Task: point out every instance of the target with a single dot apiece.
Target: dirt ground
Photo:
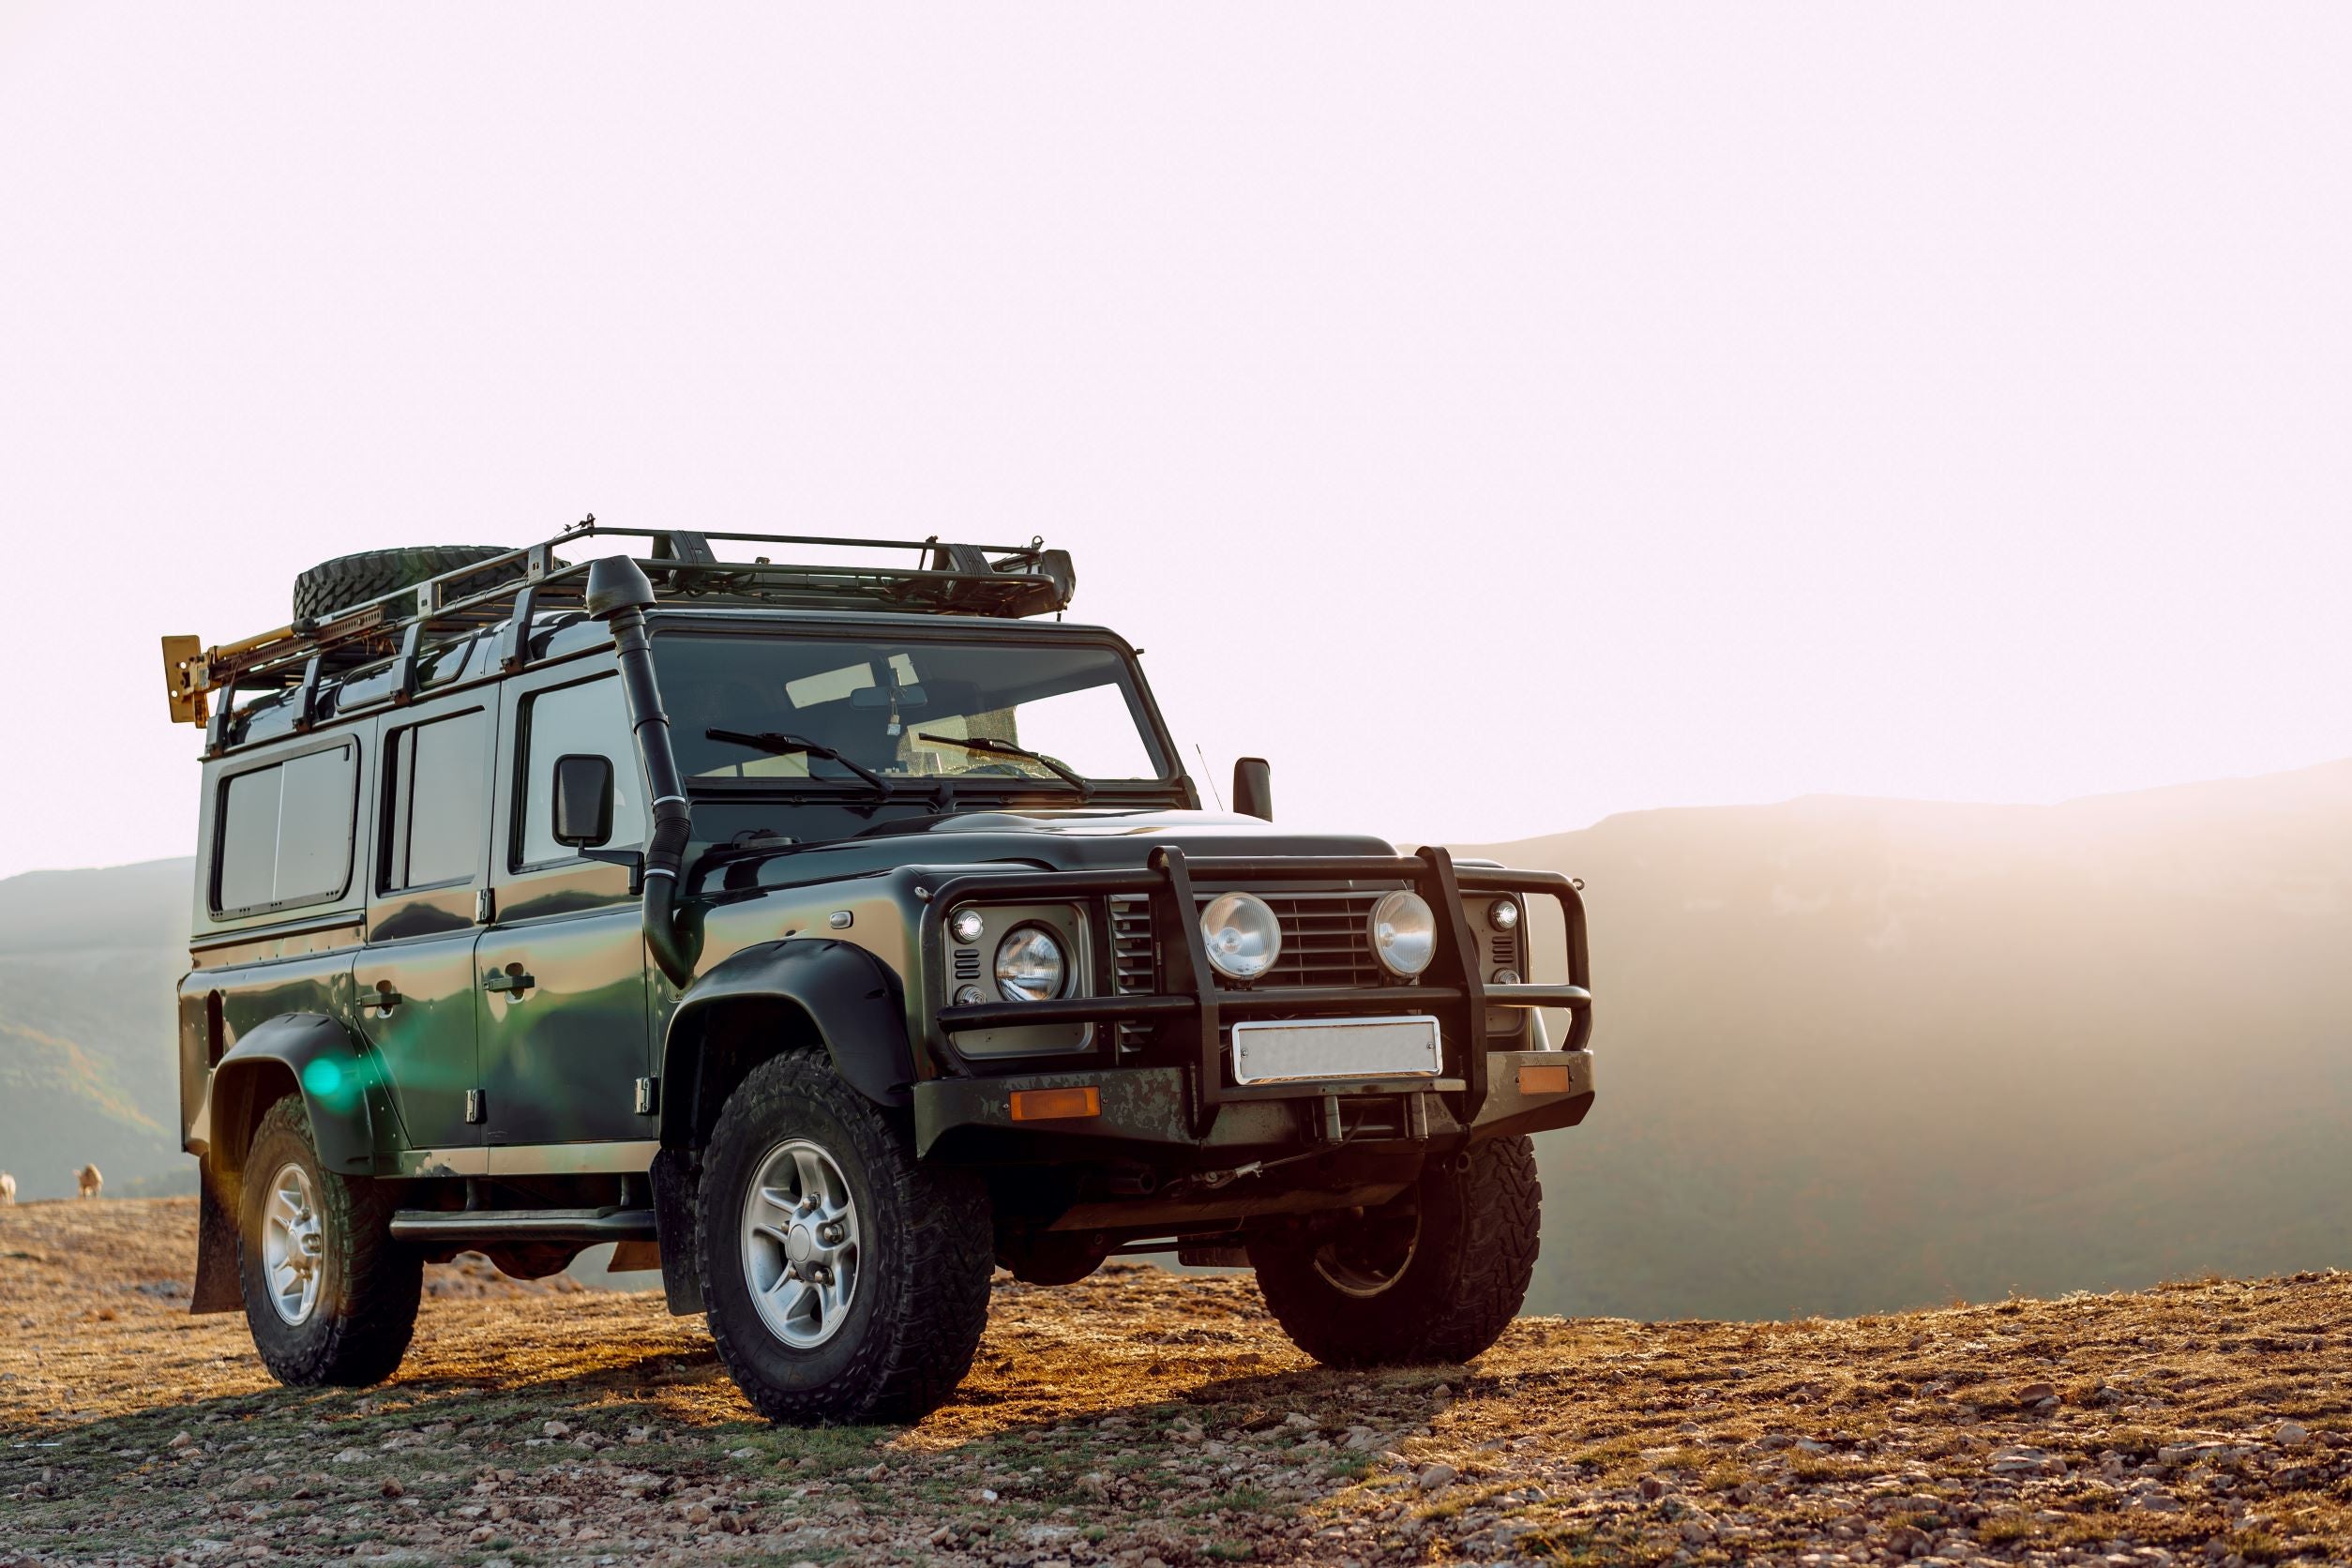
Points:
(1144, 1417)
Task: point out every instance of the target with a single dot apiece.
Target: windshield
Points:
(922, 708)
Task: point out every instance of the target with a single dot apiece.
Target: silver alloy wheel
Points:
(801, 1244)
(293, 1245)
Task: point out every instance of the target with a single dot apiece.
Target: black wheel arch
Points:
(352, 1123)
(812, 994)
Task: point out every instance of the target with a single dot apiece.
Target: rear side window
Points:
(436, 816)
(590, 718)
(284, 833)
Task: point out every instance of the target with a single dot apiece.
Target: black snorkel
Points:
(619, 595)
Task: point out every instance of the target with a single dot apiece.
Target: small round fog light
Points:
(970, 996)
(1503, 914)
(966, 926)
(1505, 977)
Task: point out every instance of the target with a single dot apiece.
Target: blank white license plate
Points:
(1270, 1052)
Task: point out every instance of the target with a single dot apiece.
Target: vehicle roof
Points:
(994, 626)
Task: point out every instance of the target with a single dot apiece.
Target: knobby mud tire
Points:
(350, 580)
(922, 1297)
(1467, 1276)
(370, 1284)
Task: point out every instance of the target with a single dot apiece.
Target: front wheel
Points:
(844, 1281)
(330, 1296)
(1435, 1276)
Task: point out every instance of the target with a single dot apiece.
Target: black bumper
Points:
(1144, 1108)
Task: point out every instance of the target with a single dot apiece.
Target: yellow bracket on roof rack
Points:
(183, 680)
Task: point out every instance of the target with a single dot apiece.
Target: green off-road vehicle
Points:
(826, 935)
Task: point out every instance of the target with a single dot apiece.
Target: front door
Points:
(415, 980)
(560, 975)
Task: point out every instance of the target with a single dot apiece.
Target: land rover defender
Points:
(827, 929)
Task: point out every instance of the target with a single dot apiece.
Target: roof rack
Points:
(503, 593)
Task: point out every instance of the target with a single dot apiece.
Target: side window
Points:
(436, 802)
(284, 833)
(590, 719)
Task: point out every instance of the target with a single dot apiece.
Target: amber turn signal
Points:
(1547, 1079)
(1056, 1105)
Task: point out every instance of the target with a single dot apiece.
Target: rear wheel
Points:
(1435, 1276)
(844, 1280)
(330, 1296)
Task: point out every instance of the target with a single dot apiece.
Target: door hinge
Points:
(472, 1107)
(485, 906)
(648, 1095)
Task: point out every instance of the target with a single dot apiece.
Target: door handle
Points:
(385, 998)
(511, 979)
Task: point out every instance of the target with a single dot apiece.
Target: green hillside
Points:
(1861, 1054)
(88, 962)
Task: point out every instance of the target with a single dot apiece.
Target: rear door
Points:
(561, 974)
(414, 982)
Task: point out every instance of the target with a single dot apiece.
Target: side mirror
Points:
(1253, 788)
(583, 800)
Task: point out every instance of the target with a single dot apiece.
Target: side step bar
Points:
(524, 1225)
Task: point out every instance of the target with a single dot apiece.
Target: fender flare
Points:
(854, 1000)
(351, 1120)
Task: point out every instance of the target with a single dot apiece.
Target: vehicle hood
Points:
(1069, 839)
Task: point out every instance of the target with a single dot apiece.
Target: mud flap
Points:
(218, 1287)
(675, 1175)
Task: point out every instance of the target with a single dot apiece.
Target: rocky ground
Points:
(1142, 1417)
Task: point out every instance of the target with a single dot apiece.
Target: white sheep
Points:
(8, 1189)
(91, 1181)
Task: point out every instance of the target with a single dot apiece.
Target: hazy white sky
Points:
(1499, 416)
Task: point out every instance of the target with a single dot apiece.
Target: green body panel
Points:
(427, 1038)
(561, 1059)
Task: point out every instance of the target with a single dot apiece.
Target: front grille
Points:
(1325, 940)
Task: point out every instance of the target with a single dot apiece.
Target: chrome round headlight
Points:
(1243, 937)
(1029, 965)
(1503, 914)
(1404, 934)
(966, 926)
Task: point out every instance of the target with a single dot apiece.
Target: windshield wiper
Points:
(1006, 749)
(776, 744)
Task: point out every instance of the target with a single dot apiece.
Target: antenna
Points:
(1209, 774)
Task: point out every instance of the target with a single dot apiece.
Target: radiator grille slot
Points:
(1131, 960)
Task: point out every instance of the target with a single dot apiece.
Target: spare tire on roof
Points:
(350, 580)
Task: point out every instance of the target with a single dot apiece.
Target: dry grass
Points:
(1142, 1415)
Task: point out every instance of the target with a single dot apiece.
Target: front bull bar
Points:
(1452, 987)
